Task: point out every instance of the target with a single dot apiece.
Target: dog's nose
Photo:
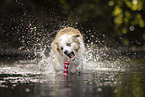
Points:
(65, 52)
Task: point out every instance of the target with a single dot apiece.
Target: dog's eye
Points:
(68, 44)
(61, 48)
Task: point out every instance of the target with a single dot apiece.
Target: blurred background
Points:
(28, 24)
(114, 35)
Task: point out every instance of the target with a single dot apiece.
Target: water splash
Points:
(93, 61)
(98, 59)
(98, 55)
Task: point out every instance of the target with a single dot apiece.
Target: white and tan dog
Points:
(68, 45)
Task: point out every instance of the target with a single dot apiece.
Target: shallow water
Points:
(107, 78)
(27, 30)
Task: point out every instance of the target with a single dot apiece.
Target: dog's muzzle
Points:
(71, 55)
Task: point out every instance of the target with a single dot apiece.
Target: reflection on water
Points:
(29, 80)
(106, 73)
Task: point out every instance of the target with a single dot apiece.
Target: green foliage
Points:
(122, 20)
(126, 16)
(128, 12)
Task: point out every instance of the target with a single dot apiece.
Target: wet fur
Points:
(75, 38)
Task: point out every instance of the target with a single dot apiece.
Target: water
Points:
(26, 62)
(107, 73)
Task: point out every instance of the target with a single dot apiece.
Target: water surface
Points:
(113, 78)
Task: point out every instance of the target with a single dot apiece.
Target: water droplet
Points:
(27, 90)
(99, 89)
(131, 28)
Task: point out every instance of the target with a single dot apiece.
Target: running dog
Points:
(68, 45)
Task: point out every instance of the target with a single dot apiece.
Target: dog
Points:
(69, 45)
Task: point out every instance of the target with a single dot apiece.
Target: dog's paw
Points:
(78, 72)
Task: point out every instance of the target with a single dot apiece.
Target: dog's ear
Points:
(54, 45)
(76, 35)
(76, 38)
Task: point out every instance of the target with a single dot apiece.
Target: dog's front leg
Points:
(60, 62)
(80, 67)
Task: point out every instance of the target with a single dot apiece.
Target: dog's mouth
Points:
(71, 55)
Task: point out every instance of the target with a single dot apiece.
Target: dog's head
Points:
(68, 45)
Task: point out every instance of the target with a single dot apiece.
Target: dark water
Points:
(29, 26)
(27, 79)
